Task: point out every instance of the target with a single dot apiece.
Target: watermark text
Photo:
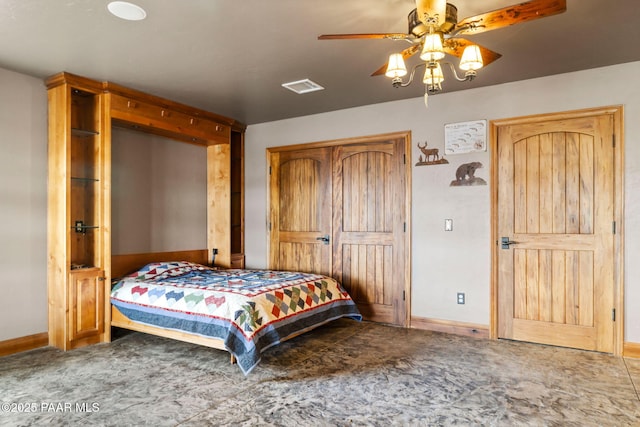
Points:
(54, 407)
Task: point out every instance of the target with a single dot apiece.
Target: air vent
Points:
(303, 86)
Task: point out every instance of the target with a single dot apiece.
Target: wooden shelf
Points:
(77, 178)
(83, 133)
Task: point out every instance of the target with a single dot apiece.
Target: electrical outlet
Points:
(460, 297)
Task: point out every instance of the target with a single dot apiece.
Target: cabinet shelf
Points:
(79, 267)
(77, 178)
(84, 133)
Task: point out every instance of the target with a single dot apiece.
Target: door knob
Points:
(506, 243)
(324, 239)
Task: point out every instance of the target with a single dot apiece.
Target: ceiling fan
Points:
(434, 31)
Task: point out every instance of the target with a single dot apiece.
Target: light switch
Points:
(448, 225)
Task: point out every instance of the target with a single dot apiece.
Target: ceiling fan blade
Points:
(510, 15)
(407, 53)
(393, 36)
(455, 46)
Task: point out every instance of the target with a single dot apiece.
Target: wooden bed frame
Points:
(122, 265)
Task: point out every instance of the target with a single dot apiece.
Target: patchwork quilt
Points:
(250, 310)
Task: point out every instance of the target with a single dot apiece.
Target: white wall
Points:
(436, 275)
(23, 205)
(437, 256)
(158, 194)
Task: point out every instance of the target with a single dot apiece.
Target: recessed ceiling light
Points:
(303, 86)
(126, 10)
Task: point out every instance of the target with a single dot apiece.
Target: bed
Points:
(244, 312)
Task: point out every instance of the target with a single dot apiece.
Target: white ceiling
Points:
(231, 56)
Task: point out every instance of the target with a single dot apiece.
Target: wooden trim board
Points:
(450, 327)
(121, 321)
(631, 349)
(18, 345)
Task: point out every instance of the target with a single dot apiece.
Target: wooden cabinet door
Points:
(556, 203)
(86, 306)
(300, 219)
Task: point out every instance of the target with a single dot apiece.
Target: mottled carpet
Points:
(343, 374)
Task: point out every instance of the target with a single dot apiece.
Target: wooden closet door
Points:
(341, 209)
(300, 210)
(556, 204)
(369, 199)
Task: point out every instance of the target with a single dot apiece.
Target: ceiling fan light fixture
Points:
(433, 20)
(396, 67)
(432, 49)
(471, 58)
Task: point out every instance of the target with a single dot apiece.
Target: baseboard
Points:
(17, 345)
(450, 327)
(631, 349)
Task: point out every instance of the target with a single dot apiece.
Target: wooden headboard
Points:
(121, 265)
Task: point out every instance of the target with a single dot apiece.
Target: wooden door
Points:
(555, 202)
(341, 209)
(369, 201)
(300, 210)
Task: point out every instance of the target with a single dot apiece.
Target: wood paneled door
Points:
(341, 208)
(300, 212)
(556, 209)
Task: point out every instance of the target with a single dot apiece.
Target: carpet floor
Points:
(345, 373)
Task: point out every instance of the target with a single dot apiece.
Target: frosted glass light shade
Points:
(433, 76)
(471, 58)
(432, 49)
(396, 67)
